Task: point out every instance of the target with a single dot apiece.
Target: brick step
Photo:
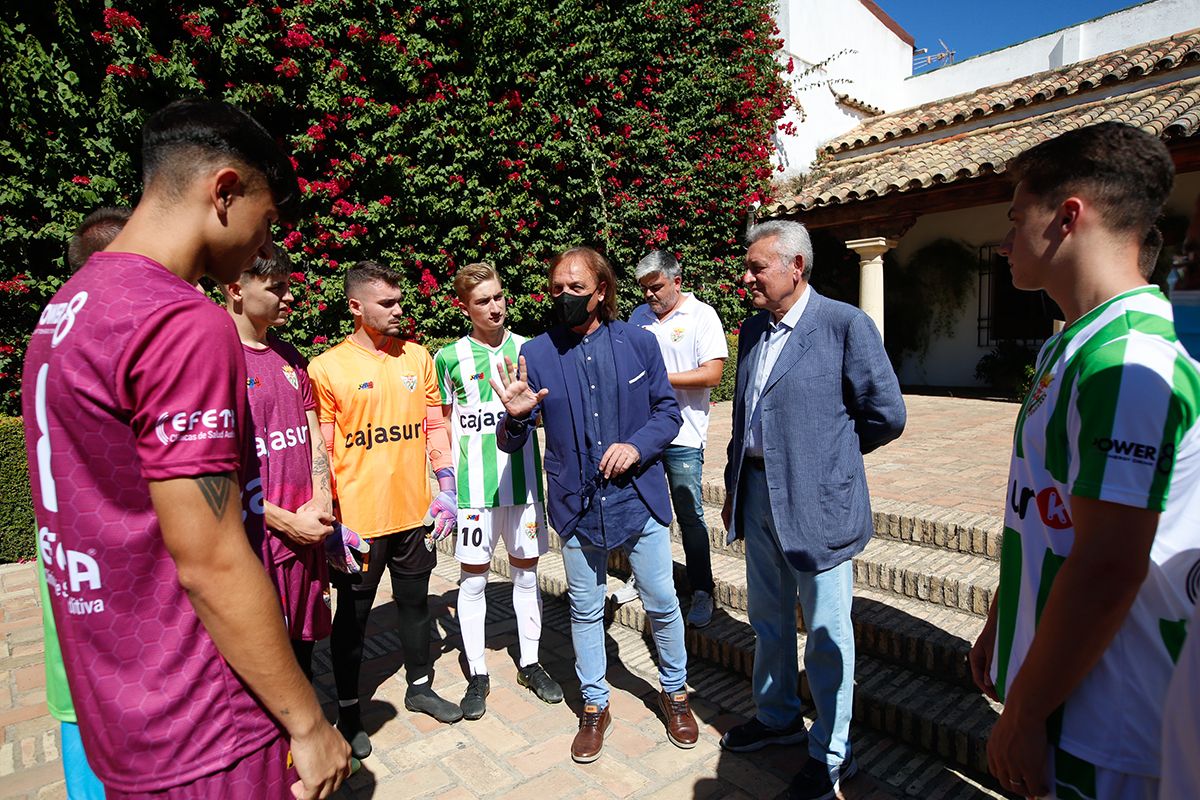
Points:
(899, 768)
(937, 577)
(894, 627)
(918, 523)
(936, 715)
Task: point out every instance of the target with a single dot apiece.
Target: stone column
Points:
(870, 285)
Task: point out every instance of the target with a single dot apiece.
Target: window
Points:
(1007, 313)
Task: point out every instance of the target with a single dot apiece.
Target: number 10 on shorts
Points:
(522, 527)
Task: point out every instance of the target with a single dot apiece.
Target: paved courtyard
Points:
(953, 454)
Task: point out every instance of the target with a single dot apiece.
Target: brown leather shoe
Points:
(594, 725)
(682, 729)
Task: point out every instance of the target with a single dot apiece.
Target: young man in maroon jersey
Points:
(135, 409)
(295, 493)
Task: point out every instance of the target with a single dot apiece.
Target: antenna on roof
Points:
(923, 59)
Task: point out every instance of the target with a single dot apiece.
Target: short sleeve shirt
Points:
(690, 336)
(487, 476)
(377, 403)
(132, 376)
(281, 396)
(1111, 416)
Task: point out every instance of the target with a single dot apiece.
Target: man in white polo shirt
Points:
(694, 348)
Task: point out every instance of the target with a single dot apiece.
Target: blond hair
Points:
(470, 276)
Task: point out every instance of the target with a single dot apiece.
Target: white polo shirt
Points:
(688, 337)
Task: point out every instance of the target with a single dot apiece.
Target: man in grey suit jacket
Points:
(815, 391)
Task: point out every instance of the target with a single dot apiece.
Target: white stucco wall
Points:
(814, 30)
(951, 360)
(1141, 23)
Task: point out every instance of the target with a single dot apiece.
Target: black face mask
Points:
(571, 309)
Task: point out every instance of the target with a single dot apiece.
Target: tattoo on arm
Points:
(320, 471)
(215, 489)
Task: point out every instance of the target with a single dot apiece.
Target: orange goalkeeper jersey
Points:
(377, 402)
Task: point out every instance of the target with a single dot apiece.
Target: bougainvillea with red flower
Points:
(426, 137)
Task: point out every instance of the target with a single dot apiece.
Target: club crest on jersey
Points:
(531, 530)
(1039, 393)
(409, 381)
(367, 385)
(289, 372)
(677, 334)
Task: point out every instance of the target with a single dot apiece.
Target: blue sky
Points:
(971, 28)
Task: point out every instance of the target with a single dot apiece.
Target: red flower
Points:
(158, 59)
(292, 239)
(115, 20)
(191, 24)
(320, 339)
(297, 36)
(537, 297)
(102, 38)
(386, 200)
(16, 285)
(82, 180)
(288, 68)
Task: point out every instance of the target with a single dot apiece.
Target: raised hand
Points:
(513, 389)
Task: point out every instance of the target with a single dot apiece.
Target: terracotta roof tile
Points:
(1171, 110)
(1121, 65)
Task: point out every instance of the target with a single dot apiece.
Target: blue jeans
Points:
(82, 783)
(685, 467)
(587, 573)
(772, 587)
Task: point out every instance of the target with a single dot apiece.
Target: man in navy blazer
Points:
(814, 392)
(609, 412)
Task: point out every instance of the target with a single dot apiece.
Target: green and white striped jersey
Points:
(1112, 416)
(487, 477)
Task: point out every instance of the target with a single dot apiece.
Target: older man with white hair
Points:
(693, 346)
(815, 391)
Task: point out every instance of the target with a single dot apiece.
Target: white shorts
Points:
(523, 528)
(1072, 778)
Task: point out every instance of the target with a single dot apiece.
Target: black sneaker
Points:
(349, 724)
(474, 702)
(754, 735)
(424, 699)
(536, 678)
(817, 780)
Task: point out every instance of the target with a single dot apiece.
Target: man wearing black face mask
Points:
(609, 413)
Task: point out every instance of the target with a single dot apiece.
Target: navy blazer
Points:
(831, 397)
(647, 412)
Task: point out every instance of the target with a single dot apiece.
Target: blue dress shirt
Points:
(612, 510)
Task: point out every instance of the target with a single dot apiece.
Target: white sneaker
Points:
(701, 611)
(626, 593)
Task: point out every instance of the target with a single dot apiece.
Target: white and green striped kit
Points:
(1111, 416)
(487, 477)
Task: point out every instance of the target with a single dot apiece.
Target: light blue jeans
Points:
(772, 587)
(650, 558)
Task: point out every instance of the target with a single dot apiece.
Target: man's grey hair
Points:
(792, 240)
(658, 261)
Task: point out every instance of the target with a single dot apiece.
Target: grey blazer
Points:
(831, 397)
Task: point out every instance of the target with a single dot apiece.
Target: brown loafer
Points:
(594, 725)
(682, 729)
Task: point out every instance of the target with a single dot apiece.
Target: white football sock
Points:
(472, 610)
(527, 604)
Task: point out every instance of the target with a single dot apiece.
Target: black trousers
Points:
(404, 556)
